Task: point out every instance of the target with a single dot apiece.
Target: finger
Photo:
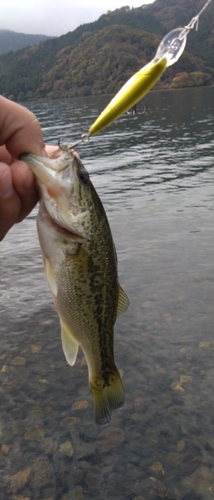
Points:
(25, 186)
(5, 156)
(10, 204)
(19, 129)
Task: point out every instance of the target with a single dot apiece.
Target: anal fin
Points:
(123, 301)
(69, 345)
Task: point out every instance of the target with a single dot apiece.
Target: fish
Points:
(80, 265)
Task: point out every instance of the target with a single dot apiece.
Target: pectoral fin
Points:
(50, 276)
(123, 301)
(69, 346)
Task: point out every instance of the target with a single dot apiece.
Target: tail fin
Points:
(109, 397)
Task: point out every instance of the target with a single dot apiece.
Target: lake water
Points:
(154, 174)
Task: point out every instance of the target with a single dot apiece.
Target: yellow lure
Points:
(133, 90)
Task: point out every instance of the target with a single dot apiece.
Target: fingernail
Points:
(6, 186)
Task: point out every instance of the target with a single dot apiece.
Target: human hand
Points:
(20, 132)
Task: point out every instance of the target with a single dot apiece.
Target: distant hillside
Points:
(10, 40)
(98, 57)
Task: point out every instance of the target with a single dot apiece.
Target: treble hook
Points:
(67, 146)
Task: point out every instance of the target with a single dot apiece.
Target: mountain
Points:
(10, 40)
(99, 57)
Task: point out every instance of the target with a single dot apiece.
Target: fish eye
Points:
(83, 176)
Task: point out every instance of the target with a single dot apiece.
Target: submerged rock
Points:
(80, 405)
(6, 448)
(49, 446)
(69, 422)
(34, 434)
(185, 379)
(67, 449)
(35, 348)
(181, 446)
(19, 480)
(19, 361)
(42, 473)
(176, 387)
(5, 369)
(202, 482)
(157, 469)
(110, 438)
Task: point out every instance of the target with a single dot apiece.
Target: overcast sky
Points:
(49, 17)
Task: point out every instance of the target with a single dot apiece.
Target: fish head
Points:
(65, 190)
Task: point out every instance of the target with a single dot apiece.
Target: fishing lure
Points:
(168, 53)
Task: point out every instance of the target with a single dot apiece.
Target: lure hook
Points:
(67, 146)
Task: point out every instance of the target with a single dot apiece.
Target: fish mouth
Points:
(56, 180)
(48, 167)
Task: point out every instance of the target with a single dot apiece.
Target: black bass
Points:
(80, 264)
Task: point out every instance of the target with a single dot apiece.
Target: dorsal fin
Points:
(123, 301)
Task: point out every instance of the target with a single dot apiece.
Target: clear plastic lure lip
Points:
(173, 44)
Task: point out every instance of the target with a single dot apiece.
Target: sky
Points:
(55, 18)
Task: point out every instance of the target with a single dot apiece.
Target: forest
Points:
(98, 58)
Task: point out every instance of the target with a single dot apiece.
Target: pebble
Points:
(49, 446)
(185, 379)
(34, 434)
(181, 446)
(157, 469)
(110, 438)
(42, 472)
(35, 348)
(43, 381)
(176, 387)
(80, 405)
(205, 345)
(19, 480)
(69, 422)
(3, 356)
(67, 449)
(49, 410)
(6, 448)
(19, 361)
(5, 369)
(160, 488)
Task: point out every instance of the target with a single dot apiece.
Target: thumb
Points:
(19, 129)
